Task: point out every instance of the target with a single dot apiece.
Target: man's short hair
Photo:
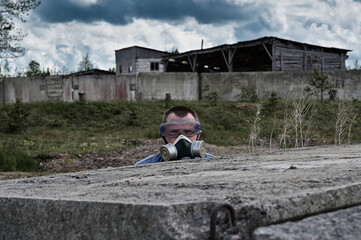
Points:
(179, 111)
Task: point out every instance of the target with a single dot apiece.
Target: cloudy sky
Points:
(61, 32)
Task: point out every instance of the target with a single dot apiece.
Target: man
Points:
(177, 122)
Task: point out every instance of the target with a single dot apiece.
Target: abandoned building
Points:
(133, 60)
(270, 54)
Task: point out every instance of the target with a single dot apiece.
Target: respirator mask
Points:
(182, 147)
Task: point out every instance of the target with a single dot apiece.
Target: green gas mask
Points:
(182, 148)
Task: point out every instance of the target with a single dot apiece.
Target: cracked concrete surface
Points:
(173, 200)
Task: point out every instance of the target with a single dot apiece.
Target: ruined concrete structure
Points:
(289, 194)
(264, 54)
(133, 60)
(266, 65)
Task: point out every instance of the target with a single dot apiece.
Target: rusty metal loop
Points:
(214, 217)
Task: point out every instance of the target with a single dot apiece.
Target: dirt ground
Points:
(63, 163)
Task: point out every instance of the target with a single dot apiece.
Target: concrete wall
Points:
(147, 86)
(179, 85)
(285, 84)
(25, 89)
(98, 87)
(51, 88)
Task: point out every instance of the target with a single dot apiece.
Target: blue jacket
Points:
(157, 158)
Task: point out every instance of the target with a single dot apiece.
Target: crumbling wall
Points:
(182, 86)
(228, 86)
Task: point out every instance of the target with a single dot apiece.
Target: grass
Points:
(46, 129)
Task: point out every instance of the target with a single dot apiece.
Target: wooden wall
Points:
(291, 57)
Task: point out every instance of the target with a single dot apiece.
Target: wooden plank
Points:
(269, 54)
(193, 61)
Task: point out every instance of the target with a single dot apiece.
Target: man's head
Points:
(180, 120)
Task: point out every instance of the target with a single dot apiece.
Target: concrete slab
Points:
(174, 200)
(342, 224)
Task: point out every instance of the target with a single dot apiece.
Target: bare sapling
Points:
(346, 114)
(273, 128)
(255, 128)
(350, 127)
(307, 126)
(301, 118)
(286, 123)
(301, 115)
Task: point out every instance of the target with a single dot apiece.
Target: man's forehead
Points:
(172, 117)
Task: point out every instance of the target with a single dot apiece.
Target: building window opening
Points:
(120, 69)
(154, 66)
(130, 68)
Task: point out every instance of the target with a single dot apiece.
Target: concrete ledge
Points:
(342, 224)
(174, 200)
(63, 219)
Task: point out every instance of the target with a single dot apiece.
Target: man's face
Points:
(173, 117)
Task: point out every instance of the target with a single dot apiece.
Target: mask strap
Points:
(199, 135)
(165, 140)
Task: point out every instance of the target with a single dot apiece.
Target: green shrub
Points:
(208, 95)
(248, 95)
(16, 116)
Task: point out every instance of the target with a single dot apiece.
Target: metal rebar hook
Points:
(214, 218)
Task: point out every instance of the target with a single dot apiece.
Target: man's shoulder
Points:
(150, 159)
(157, 158)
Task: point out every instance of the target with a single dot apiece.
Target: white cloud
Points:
(65, 44)
(336, 24)
(83, 3)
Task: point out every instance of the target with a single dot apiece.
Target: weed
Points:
(12, 159)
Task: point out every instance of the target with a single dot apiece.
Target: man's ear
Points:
(199, 135)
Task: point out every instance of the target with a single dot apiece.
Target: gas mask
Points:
(182, 148)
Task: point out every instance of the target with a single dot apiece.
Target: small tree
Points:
(16, 116)
(356, 65)
(4, 69)
(10, 35)
(271, 104)
(85, 64)
(33, 69)
(320, 82)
